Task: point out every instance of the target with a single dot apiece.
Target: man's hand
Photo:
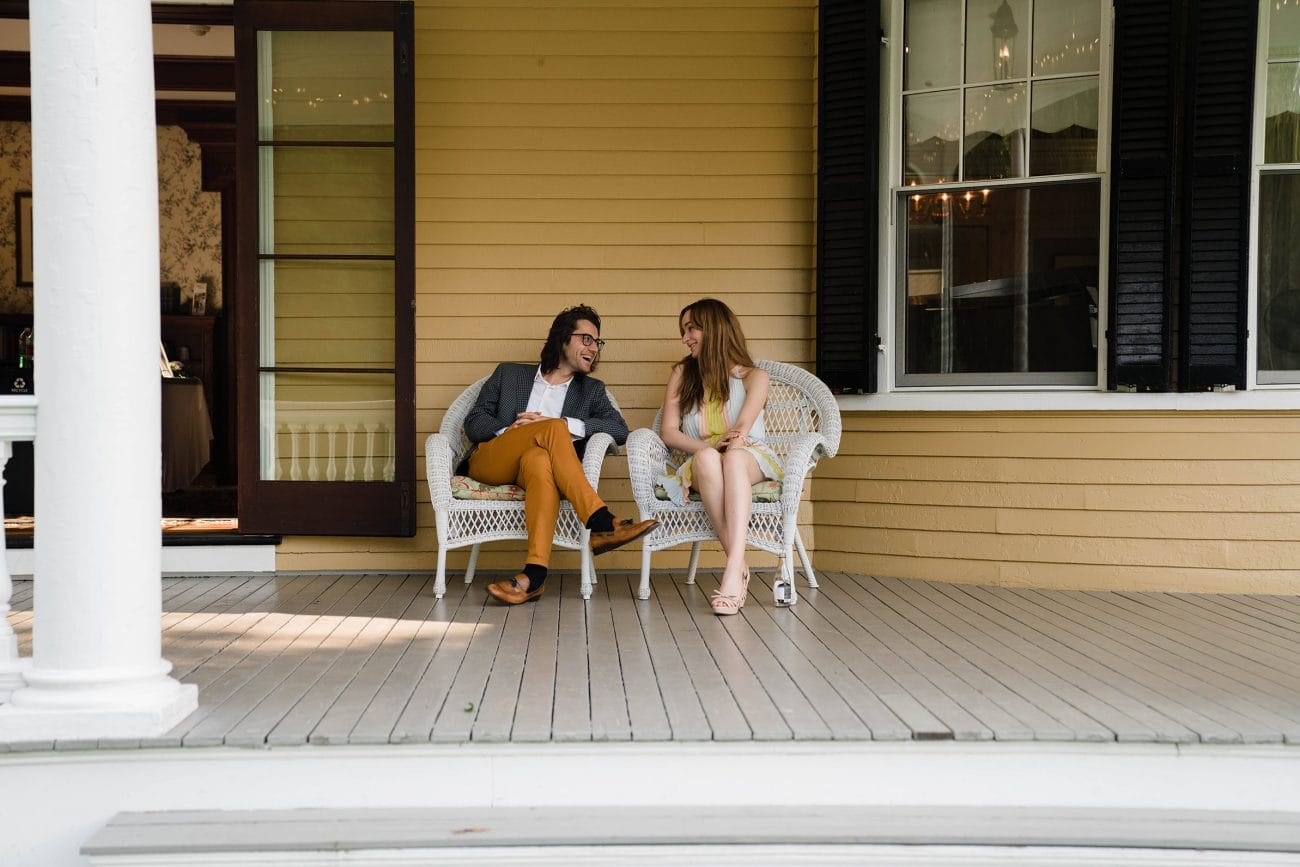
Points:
(524, 418)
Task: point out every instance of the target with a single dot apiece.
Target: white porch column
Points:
(97, 668)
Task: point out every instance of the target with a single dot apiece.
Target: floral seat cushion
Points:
(766, 491)
(465, 488)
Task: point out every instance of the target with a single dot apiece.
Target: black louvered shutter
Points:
(848, 121)
(1144, 164)
(1216, 219)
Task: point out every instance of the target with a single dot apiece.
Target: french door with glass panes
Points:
(325, 200)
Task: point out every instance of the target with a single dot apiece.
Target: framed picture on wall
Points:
(23, 237)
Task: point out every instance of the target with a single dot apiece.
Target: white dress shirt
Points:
(548, 400)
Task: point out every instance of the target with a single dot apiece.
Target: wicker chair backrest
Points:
(797, 402)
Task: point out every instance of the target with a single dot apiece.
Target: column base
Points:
(12, 670)
(67, 706)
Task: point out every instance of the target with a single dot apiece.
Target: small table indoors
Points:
(186, 432)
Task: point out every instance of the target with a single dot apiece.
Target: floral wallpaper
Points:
(15, 176)
(189, 219)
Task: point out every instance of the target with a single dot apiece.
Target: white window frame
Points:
(1258, 169)
(891, 243)
(893, 398)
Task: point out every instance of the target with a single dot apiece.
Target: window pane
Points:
(329, 314)
(995, 132)
(327, 427)
(1279, 273)
(932, 125)
(1282, 114)
(1284, 30)
(1064, 127)
(328, 200)
(932, 28)
(997, 43)
(1003, 281)
(326, 85)
(1067, 36)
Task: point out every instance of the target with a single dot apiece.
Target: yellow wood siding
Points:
(633, 158)
(1193, 501)
(637, 158)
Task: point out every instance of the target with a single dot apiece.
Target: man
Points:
(530, 424)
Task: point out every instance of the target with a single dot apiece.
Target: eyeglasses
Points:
(588, 340)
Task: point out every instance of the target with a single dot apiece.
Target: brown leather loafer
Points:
(624, 531)
(509, 591)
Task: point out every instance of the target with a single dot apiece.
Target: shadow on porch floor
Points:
(372, 659)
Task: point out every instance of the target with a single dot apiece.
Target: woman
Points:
(713, 413)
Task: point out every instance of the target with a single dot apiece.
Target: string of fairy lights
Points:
(299, 95)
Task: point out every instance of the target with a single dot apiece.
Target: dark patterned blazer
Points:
(506, 394)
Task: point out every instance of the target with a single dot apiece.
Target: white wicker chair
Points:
(802, 421)
(486, 518)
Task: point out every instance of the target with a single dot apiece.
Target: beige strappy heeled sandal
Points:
(725, 604)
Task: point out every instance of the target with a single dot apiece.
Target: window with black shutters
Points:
(998, 191)
(1277, 149)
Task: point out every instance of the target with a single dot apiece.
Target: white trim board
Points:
(177, 560)
(1069, 400)
(54, 801)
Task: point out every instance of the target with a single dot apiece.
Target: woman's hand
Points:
(731, 438)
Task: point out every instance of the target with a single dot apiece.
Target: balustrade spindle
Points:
(313, 470)
(369, 473)
(350, 473)
(390, 466)
(331, 468)
(295, 469)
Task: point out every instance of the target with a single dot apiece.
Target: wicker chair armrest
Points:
(593, 458)
(438, 468)
(646, 454)
(805, 451)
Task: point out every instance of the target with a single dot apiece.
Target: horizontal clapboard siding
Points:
(632, 158)
(1159, 501)
(638, 159)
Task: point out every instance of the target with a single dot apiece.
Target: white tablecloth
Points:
(186, 432)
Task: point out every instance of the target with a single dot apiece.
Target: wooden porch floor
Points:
(374, 659)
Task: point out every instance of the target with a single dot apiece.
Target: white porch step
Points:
(674, 835)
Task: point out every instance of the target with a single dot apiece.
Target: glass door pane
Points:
(326, 248)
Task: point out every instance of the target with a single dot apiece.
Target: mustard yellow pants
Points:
(540, 458)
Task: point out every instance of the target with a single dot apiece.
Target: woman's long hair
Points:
(722, 349)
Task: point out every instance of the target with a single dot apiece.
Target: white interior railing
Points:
(335, 441)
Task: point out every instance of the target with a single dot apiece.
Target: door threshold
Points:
(176, 532)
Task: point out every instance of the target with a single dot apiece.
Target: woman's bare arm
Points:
(670, 427)
(756, 383)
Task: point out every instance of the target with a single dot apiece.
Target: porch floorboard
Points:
(326, 659)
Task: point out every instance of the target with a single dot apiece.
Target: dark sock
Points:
(601, 521)
(536, 575)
